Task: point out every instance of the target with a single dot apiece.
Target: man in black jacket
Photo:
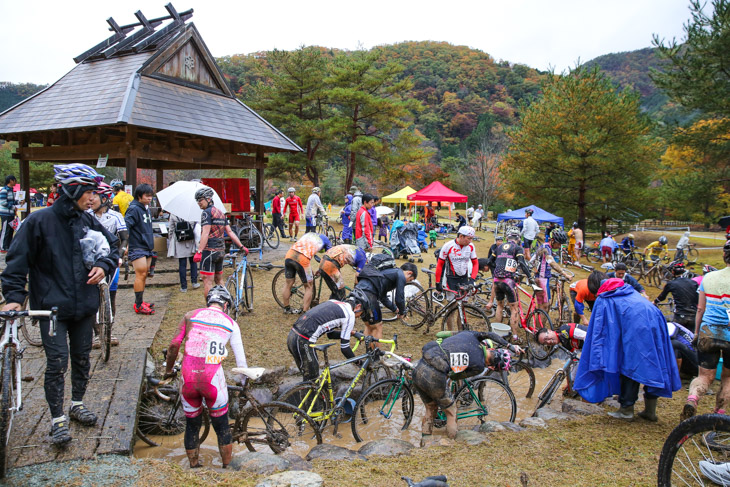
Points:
(377, 284)
(684, 291)
(141, 244)
(48, 248)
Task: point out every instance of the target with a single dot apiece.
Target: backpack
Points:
(382, 261)
(184, 231)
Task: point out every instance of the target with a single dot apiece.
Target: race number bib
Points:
(216, 352)
(510, 265)
(459, 362)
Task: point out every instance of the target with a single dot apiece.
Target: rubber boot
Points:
(626, 413)
(226, 453)
(193, 457)
(451, 428)
(649, 412)
(427, 422)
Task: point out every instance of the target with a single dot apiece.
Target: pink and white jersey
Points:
(211, 331)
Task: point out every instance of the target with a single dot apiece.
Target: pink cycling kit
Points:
(205, 348)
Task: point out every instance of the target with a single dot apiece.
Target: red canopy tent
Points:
(437, 192)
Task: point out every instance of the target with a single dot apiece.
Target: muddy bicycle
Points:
(565, 372)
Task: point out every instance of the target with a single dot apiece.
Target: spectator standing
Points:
(364, 223)
(121, 198)
(476, 220)
(293, 203)
(141, 244)
(356, 201)
(276, 213)
(578, 234)
(184, 250)
(530, 229)
(607, 246)
(52, 196)
(383, 228)
(314, 208)
(47, 255)
(7, 212)
(346, 213)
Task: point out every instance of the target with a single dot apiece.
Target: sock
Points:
(692, 398)
(76, 403)
(138, 298)
(59, 419)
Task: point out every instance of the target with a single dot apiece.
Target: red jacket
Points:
(367, 231)
(276, 205)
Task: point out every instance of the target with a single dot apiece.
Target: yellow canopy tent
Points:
(400, 196)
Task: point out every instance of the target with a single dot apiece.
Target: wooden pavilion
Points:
(146, 98)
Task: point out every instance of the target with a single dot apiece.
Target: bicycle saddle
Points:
(252, 373)
(323, 346)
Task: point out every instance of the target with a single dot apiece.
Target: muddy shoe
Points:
(95, 343)
(82, 415)
(688, 411)
(626, 413)
(143, 310)
(59, 433)
(114, 341)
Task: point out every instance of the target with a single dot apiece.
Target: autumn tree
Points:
(374, 119)
(582, 149)
(482, 172)
(293, 98)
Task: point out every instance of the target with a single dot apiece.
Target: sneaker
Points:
(82, 415)
(718, 473)
(688, 411)
(3, 251)
(183, 289)
(95, 343)
(196, 285)
(143, 310)
(114, 341)
(151, 305)
(60, 435)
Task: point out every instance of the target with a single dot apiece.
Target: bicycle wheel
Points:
(247, 300)
(278, 284)
(474, 319)
(384, 410)
(496, 399)
(331, 234)
(410, 289)
(271, 236)
(30, 327)
(104, 318)
(555, 306)
(691, 447)
(278, 426)
(232, 287)
(7, 405)
(593, 255)
(548, 392)
(692, 256)
(419, 308)
(537, 319)
(166, 417)
(145, 438)
(378, 371)
(305, 396)
(521, 379)
(656, 277)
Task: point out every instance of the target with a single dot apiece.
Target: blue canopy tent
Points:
(540, 215)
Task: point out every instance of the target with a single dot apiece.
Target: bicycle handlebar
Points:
(11, 315)
(368, 339)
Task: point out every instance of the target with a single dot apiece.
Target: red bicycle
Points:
(532, 320)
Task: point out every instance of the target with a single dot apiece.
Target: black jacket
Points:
(139, 225)
(47, 248)
(685, 295)
(380, 283)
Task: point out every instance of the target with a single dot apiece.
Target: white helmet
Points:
(316, 190)
(290, 190)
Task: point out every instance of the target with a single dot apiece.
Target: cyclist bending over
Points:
(570, 336)
(298, 262)
(207, 331)
(334, 260)
(462, 355)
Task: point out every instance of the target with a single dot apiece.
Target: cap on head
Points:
(467, 231)
(290, 190)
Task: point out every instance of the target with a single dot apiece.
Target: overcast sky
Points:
(39, 38)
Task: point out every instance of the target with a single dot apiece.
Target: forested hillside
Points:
(13, 93)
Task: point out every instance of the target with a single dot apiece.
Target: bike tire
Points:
(155, 416)
(384, 410)
(521, 380)
(556, 308)
(475, 319)
(146, 439)
(232, 287)
(593, 255)
(546, 395)
(410, 289)
(498, 402)
(303, 395)
(537, 319)
(331, 234)
(271, 236)
(692, 256)
(685, 446)
(248, 290)
(419, 308)
(30, 328)
(277, 425)
(105, 322)
(297, 291)
(7, 404)
(656, 278)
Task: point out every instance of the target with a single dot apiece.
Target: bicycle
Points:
(30, 327)
(559, 307)
(693, 446)
(239, 284)
(424, 309)
(317, 398)
(249, 235)
(323, 227)
(565, 372)
(271, 236)
(104, 320)
(386, 407)
(532, 320)
(11, 395)
(659, 274)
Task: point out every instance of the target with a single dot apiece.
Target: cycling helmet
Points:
(575, 224)
(105, 193)
(80, 177)
(219, 294)
(512, 233)
(117, 184)
(358, 296)
(529, 211)
(290, 190)
(708, 268)
(559, 236)
(726, 247)
(663, 240)
(630, 236)
(501, 359)
(204, 194)
(316, 190)
(678, 268)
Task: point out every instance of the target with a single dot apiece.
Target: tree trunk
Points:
(311, 170)
(582, 206)
(351, 158)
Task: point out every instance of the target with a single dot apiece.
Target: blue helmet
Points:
(77, 178)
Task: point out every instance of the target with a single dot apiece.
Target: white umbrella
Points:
(383, 210)
(179, 200)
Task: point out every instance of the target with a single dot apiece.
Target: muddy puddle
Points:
(171, 447)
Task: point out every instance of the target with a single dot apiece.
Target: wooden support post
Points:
(159, 179)
(260, 187)
(24, 165)
(131, 140)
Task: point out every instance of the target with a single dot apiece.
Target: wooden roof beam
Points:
(119, 34)
(59, 153)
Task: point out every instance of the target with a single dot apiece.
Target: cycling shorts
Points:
(293, 217)
(376, 314)
(543, 297)
(712, 343)
(297, 264)
(607, 252)
(432, 384)
(505, 288)
(527, 243)
(115, 280)
(203, 382)
(136, 254)
(331, 268)
(304, 356)
(578, 244)
(211, 262)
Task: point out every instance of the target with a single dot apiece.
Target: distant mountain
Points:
(12, 93)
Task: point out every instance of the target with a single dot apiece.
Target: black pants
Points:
(690, 360)
(76, 337)
(630, 392)
(304, 356)
(183, 269)
(685, 320)
(279, 223)
(6, 234)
